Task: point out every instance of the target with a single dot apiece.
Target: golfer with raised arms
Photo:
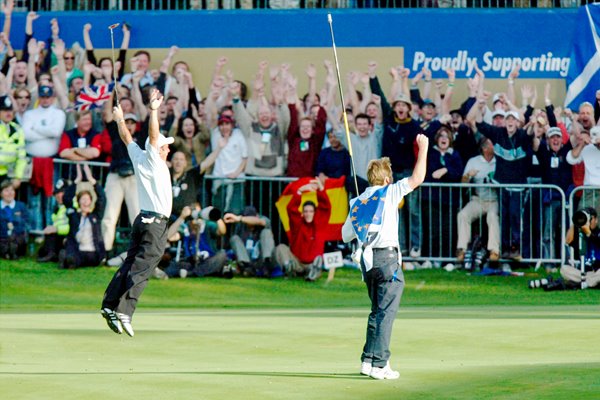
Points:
(149, 231)
(373, 220)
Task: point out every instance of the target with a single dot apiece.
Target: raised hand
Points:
(156, 99)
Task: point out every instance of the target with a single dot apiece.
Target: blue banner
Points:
(538, 39)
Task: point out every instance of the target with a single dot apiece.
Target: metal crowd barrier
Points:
(439, 205)
(145, 5)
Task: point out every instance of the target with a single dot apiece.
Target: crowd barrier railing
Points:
(537, 227)
(539, 222)
(173, 5)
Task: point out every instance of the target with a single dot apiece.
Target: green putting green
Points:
(456, 337)
(441, 352)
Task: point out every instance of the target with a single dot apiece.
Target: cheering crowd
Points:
(56, 111)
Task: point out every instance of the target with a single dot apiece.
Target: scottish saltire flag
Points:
(93, 96)
(367, 210)
(583, 78)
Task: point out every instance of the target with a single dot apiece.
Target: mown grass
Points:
(27, 285)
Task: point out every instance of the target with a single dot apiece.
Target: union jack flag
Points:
(93, 96)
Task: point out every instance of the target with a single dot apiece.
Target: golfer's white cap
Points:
(162, 140)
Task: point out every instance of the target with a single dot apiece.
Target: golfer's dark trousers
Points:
(385, 283)
(148, 241)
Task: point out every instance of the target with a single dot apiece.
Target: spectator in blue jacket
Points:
(13, 223)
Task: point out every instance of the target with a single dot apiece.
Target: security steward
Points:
(12, 144)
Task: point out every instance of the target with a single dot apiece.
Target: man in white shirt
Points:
(149, 231)
(373, 220)
(480, 169)
(230, 165)
(588, 152)
(44, 125)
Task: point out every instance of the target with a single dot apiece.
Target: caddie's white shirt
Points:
(484, 169)
(590, 155)
(388, 230)
(153, 179)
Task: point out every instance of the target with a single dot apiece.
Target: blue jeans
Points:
(409, 226)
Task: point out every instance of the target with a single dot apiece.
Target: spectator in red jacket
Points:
(304, 255)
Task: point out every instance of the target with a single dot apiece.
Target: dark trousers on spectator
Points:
(385, 283)
(75, 258)
(13, 247)
(148, 242)
(513, 206)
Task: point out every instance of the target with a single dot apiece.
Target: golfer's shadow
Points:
(284, 374)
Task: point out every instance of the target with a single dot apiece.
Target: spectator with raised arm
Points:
(399, 134)
(304, 255)
(480, 170)
(229, 165)
(106, 63)
(85, 207)
(512, 146)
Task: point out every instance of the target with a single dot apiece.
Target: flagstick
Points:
(337, 69)
(112, 42)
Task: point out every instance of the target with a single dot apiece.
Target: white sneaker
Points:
(126, 323)
(117, 260)
(384, 373)
(415, 252)
(160, 274)
(183, 273)
(365, 368)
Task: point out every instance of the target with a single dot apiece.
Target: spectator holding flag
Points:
(373, 220)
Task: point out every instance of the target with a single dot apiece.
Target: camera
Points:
(582, 217)
(208, 214)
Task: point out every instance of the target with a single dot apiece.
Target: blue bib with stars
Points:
(366, 211)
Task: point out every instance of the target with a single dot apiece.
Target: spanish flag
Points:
(332, 205)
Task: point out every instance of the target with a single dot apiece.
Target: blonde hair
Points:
(378, 170)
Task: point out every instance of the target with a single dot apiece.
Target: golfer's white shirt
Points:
(388, 230)
(153, 179)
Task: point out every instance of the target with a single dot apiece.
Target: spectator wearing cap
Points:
(555, 170)
(399, 135)
(121, 184)
(229, 165)
(44, 125)
(498, 116)
(252, 241)
(429, 124)
(56, 233)
(13, 223)
(587, 151)
(12, 144)
(512, 146)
